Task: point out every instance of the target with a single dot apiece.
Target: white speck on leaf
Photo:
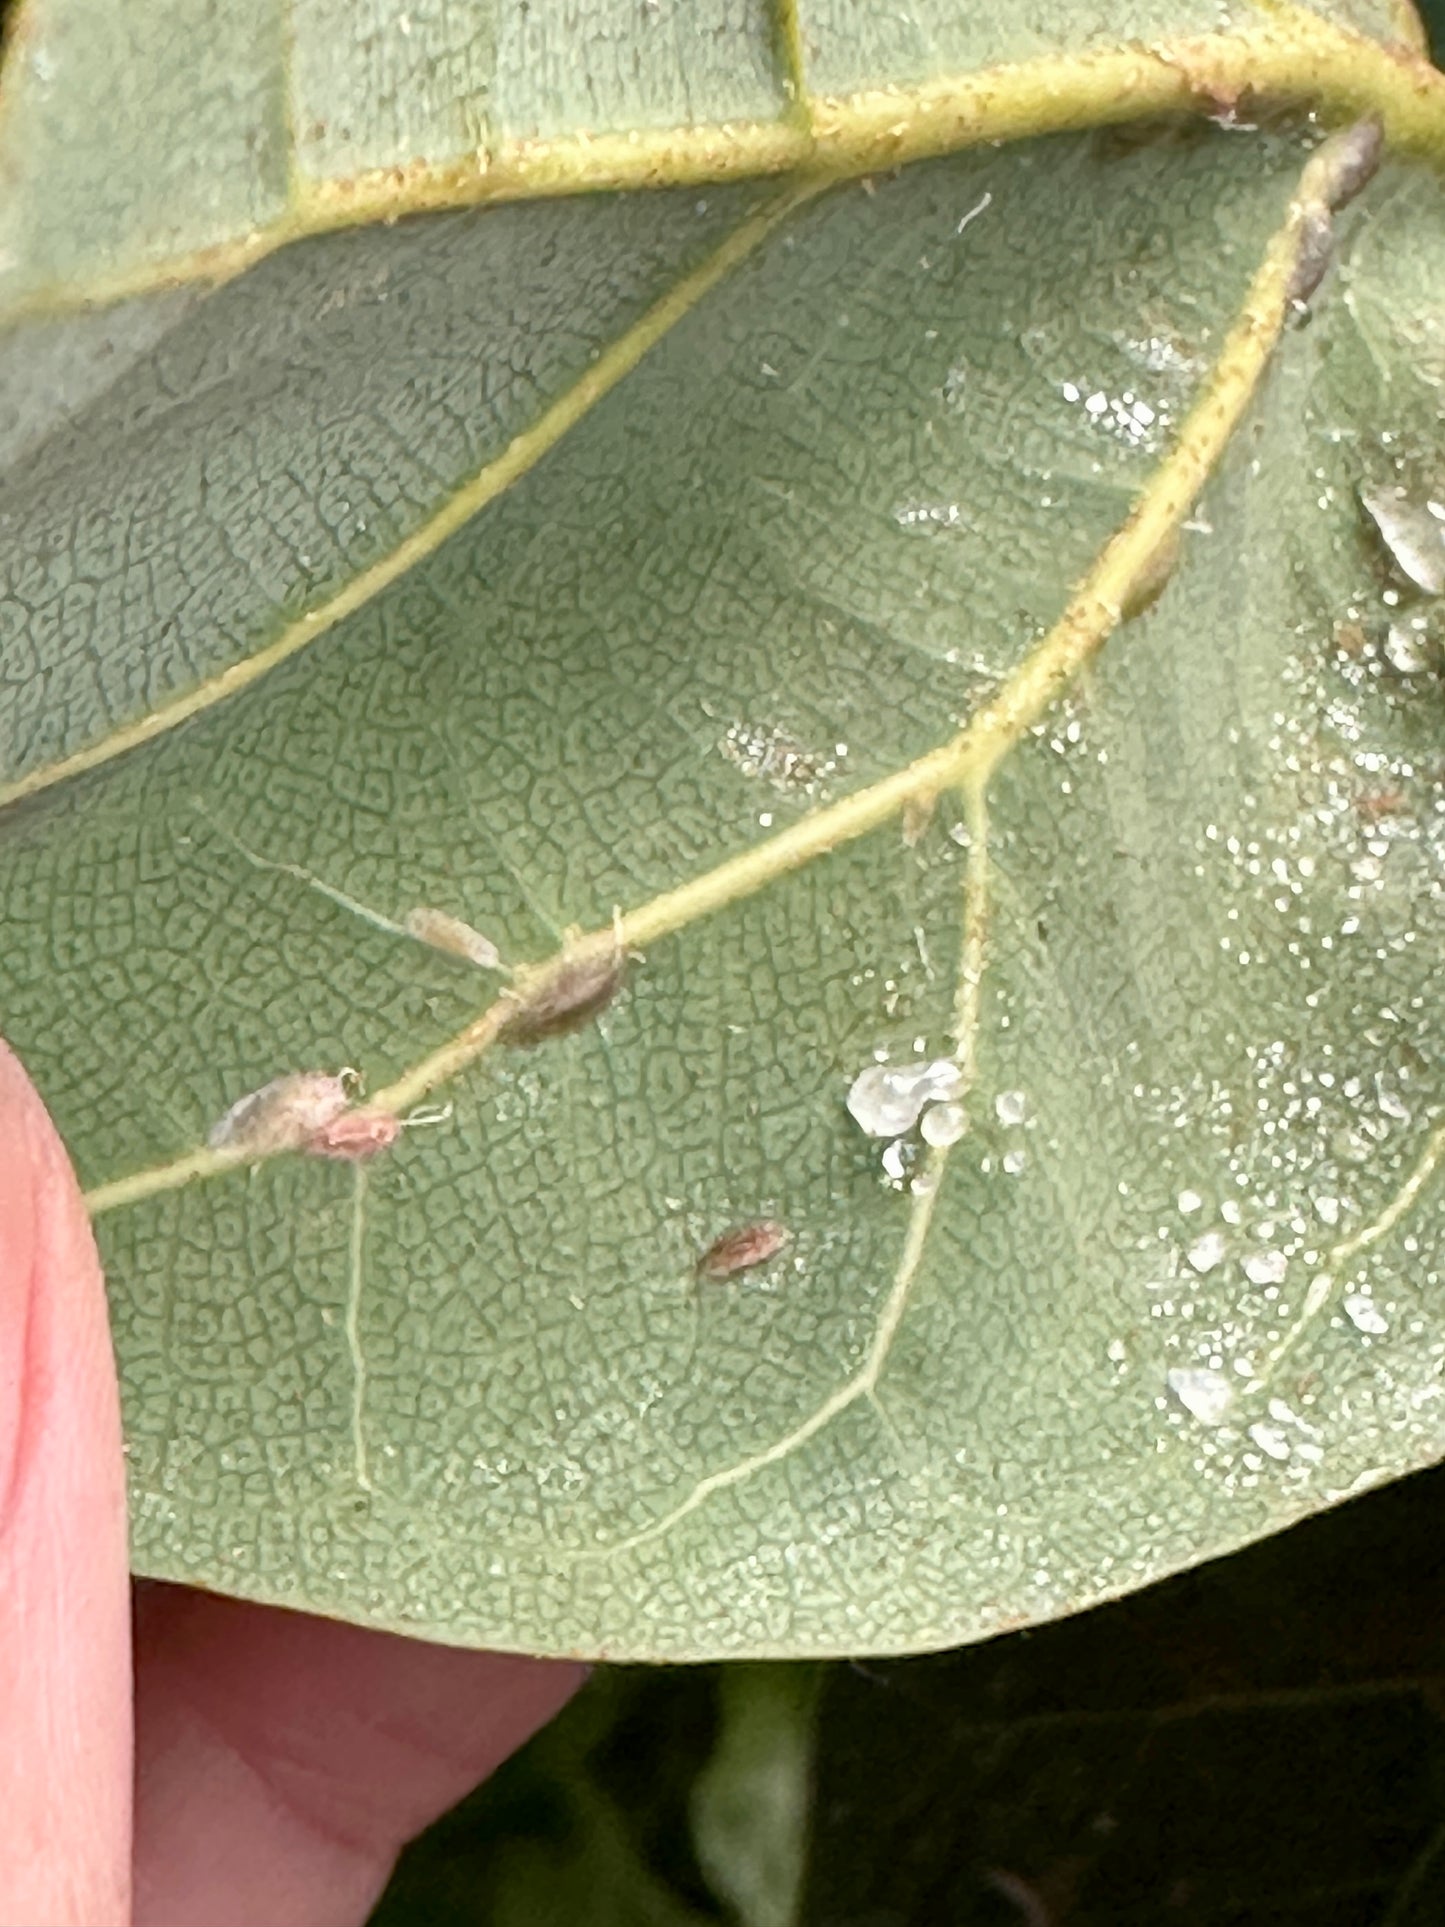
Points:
(1205, 1395)
(886, 1101)
(1406, 650)
(1206, 1252)
(1266, 1267)
(1365, 1315)
(1270, 1440)
(1415, 539)
(1011, 1107)
(944, 1124)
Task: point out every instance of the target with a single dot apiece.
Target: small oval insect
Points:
(1313, 255)
(283, 1114)
(581, 990)
(744, 1247)
(355, 1136)
(445, 932)
(1353, 161)
(1376, 804)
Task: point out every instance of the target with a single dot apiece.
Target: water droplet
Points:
(1327, 1210)
(895, 1161)
(1014, 1162)
(1189, 1201)
(886, 1100)
(1205, 1395)
(1270, 1440)
(1266, 1267)
(944, 1124)
(1407, 649)
(1365, 1315)
(1011, 1107)
(1206, 1252)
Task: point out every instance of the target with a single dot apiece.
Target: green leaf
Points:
(587, 1823)
(157, 139)
(742, 561)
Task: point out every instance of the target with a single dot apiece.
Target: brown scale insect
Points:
(1375, 804)
(1153, 578)
(1356, 157)
(581, 990)
(743, 1248)
(1313, 254)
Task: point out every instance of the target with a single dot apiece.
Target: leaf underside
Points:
(476, 1389)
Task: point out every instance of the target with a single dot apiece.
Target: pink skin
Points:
(279, 1761)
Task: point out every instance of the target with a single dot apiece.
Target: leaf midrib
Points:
(1294, 58)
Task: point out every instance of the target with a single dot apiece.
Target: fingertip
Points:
(64, 1607)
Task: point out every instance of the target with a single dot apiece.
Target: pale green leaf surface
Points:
(476, 1390)
(133, 133)
(299, 427)
(144, 134)
(849, 44)
(385, 86)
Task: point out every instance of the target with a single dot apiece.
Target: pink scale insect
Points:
(743, 1248)
(354, 1136)
(313, 1112)
(358, 1135)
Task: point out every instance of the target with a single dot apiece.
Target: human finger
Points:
(65, 1709)
(283, 1760)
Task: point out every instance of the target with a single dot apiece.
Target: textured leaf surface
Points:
(160, 132)
(588, 546)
